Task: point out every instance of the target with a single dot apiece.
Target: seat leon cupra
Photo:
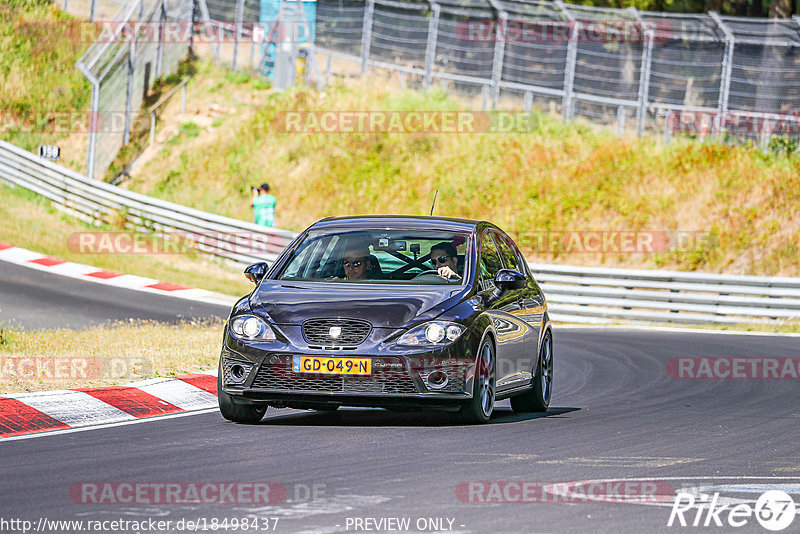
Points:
(397, 312)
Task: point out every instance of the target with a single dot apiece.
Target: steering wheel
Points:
(428, 272)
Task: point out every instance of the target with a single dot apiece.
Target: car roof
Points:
(401, 221)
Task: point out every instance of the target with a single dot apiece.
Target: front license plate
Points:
(331, 366)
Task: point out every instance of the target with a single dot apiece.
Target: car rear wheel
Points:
(537, 399)
(239, 413)
(480, 408)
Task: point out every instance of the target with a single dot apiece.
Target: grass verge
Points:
(30, 221)
(734, 202)
(39, 84)
(107, 355)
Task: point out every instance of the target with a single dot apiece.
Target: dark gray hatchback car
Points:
(399, 312)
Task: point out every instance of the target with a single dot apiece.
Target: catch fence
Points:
(132, 51)
(708, 76)
(726, 78)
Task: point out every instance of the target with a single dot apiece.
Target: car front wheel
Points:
(239, 413)
(537, 399)
(480, 408)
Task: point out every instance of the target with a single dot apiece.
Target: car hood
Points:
(292, 303)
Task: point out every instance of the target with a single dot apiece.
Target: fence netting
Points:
(704, 75)
(144, 42)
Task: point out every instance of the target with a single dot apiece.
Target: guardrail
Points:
(95, 201)
(601, 295)
(576, 294)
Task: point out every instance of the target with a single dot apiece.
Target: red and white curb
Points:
(28, 413)
(42, 262)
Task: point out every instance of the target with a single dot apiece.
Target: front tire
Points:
(537, 399)
(480, 408)
(238, 413)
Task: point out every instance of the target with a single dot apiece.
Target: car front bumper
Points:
(395, 380)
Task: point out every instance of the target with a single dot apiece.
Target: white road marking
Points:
(74, 408)
(107, 425)
(622, 461)
(23, 257)
(178, 393)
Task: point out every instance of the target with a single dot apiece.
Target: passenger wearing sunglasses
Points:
(357, 263)
(444, 259)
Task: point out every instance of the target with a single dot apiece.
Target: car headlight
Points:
(434, 333)
(252, 327)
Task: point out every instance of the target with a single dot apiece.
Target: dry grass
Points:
(104, 355)
(560, 178)
(31, 222)
(38, 48)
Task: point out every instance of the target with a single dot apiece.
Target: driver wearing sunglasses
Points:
(356, 263)
(444, 259)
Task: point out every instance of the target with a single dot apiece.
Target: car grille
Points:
(279, 376)
(353, 331)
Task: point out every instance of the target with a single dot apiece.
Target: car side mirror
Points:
(256, 272)
(507, 279)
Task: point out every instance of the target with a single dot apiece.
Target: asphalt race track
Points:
(616, 413)
(33, 299)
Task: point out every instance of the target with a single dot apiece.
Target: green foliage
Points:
(260, 84)
(189, 129)
(237, 77)
(559, 177)
(38, 80)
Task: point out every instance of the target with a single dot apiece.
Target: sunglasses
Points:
(355, 264)
(440, 259)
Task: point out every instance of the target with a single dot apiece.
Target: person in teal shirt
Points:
(263, 206)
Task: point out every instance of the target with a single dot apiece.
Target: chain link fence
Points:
(728, 78)
(708, 76)
(133, 49)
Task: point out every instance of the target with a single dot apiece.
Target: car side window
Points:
(507, 252)
(490, 262)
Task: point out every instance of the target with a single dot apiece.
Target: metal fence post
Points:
(207, 20)
(644, 78)
(567, 103)
(129, 95)
(430, 49)
(499, 52)
(668, 126)
(725, 72)
(238, 36)
(160, 53)
(366, 35)
(93, 120)
(192, 26)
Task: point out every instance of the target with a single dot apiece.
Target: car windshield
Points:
(379, 256)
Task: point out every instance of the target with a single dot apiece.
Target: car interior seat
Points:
(375, 271)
